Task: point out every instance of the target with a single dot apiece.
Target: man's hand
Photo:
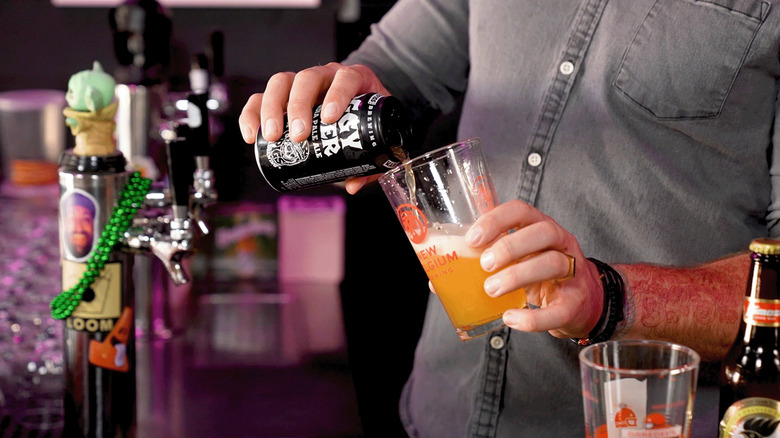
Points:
(535, 256)
(296, 94)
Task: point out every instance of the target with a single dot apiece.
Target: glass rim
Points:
(430, 156)
(689, 365)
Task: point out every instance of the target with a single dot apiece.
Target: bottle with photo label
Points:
(750, 373)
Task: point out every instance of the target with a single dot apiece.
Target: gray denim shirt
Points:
(644, 127)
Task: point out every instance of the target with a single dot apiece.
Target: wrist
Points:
(612, 308)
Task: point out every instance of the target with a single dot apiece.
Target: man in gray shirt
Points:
(639, 133)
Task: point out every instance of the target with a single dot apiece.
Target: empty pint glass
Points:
(437, 196)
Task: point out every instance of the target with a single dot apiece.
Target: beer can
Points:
(371, 137)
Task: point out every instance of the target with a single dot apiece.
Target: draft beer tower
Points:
(107, 214)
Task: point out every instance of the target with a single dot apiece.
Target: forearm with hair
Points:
(699, 307)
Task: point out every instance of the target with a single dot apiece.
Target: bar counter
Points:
(244, 367)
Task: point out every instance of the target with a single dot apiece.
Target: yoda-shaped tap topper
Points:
(90, 112)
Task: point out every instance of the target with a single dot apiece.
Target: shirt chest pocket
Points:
(686, 53)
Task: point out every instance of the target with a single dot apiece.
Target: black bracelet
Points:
(612, 312)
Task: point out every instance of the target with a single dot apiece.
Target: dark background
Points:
(43, 45)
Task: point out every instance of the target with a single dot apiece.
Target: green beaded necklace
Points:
(130, 199)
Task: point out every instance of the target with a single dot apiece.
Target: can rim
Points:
(260, 165)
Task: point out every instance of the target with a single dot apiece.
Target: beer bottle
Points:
(750, 373)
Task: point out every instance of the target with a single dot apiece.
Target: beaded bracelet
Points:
(612, 312)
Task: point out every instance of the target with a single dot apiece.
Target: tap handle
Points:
(181, 165)
(142, 33)
(190, 138)
(197, 108)
(217, 49)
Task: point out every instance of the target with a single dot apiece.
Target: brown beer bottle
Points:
(750, 374)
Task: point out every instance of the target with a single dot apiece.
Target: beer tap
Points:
(108, 212)
(191, 188)
(198, 124)
(142, 35)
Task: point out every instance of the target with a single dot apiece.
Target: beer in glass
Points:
(437, 197)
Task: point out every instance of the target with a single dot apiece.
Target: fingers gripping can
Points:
(369, 138)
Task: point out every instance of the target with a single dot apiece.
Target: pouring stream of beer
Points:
(411, 184)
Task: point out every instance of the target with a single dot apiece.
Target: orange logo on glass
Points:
(483, 196)
(625, 418)
(413, 221)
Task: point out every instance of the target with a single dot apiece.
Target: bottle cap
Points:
(766, 246)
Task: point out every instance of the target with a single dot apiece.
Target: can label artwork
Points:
(367, 139)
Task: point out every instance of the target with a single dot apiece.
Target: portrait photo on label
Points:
(78, 218)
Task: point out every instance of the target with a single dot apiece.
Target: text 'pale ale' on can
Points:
(367, 139)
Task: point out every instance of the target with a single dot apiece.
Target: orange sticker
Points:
(111, 353)
(765, 313)
(655, 420)
(413, 221)
(625, 418)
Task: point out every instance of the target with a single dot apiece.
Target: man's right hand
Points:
(296, 94)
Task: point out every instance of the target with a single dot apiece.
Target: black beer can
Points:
(369, 138)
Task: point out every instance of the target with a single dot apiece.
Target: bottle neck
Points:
(762, 300)
(764, 277)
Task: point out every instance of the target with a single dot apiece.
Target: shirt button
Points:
(534, 159)
(497, 342)
(566, 68)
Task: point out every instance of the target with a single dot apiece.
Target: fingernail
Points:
(329, 111)
(487, 260)
(296, 127)
(491, 285)
(270, 127)
(246, 133)
(473, 235)
(510, 318)
(354, 185)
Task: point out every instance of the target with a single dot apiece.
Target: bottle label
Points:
(751, 417)
(764, 313)
(101, 304)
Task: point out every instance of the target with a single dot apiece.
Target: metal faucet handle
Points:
(203, 182)
(172, 253)
(197, 217)
(158, 198)
(169, 239)
(169, 131)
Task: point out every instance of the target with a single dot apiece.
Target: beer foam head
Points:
(448, 238)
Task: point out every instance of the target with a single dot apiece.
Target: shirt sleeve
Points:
(419, 50)
(773, 213)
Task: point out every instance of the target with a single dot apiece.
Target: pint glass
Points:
(437, 196)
